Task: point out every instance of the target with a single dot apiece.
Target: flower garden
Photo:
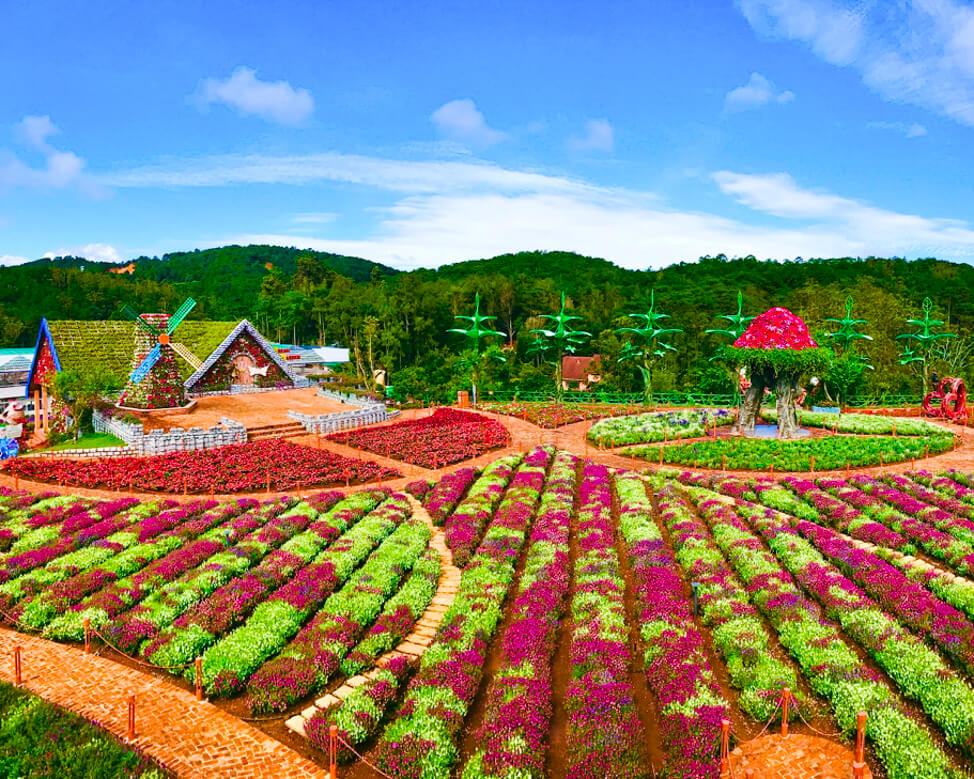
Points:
(258, 465)
(574, 645)
(552, 415)
(446, 436)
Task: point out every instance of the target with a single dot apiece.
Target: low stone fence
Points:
(77, 454)
(343, 420)
(347, 397)
(175, 439)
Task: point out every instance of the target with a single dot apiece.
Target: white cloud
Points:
(409, 176)
(633, 231)
(919, 52)
(875, 230)
(275, 101)
(910, 130)
(461, 120)
(321, 217)
(12, 259)
(100, 252)
(452, 210)
(60, 168)
(598, 137)
(757, 92)
(35, 130)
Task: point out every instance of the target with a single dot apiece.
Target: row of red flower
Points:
(446, 436)
(274, 464)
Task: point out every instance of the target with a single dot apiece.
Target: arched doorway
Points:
(242, 369)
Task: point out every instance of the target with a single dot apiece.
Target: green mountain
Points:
(400, 320)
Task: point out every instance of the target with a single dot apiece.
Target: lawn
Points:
(87, 441)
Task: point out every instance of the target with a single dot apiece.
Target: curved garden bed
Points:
(830, 452)
(446, 436)
(551, 415)
(661, 426)
(258, 465)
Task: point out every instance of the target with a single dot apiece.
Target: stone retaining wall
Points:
(343, 420)
(346, 397)
(75, 454)
(175, 439)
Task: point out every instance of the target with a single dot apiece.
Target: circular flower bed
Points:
(830, 453)
(248, 467)
(649, 428)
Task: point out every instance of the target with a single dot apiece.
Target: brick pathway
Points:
(195, 740)
(794, 756)
(416, 642)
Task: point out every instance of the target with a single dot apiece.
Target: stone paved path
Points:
(422, 634)
(794, 756)
(195, 740)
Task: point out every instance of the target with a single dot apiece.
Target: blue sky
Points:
(420, 133)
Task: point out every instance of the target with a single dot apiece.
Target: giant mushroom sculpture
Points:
(778, 351)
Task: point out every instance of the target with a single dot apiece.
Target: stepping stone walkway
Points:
(194, 739)
(413, 645)
(794, 756)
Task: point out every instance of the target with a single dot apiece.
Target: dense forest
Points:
(399, 321)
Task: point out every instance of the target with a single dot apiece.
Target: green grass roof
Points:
(108, 344)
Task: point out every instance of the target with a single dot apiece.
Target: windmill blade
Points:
(146, 365)
(132, 314)
(181, 313)
(187, 355)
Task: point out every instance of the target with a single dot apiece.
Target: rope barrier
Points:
(15, 621)
(362, 758)
(809, 726)
(136, 660)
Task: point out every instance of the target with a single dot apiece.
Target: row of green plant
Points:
(833, 668)
(863, 424)
(756, 454)
(660, 426)
(39, 739)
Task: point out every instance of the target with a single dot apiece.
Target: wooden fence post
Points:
(18, 667)
(724, 749)
(859, 762)
(785, 699)
(199, 678)
(130, 734)
(332, 752)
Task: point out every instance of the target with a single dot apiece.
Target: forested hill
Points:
(226, 282)
(402, 318)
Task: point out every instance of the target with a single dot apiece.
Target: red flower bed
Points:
(237, 468)
(448, 436)
(552, 415)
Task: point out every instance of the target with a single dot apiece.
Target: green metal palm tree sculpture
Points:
(925, 338)
(563, 339)
(738, 321)
(649, 344)
(479, 328)
(847, 333)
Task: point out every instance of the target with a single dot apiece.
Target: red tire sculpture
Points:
(948, 400)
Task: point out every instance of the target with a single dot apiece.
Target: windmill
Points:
(158, 362)
(164, 339)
